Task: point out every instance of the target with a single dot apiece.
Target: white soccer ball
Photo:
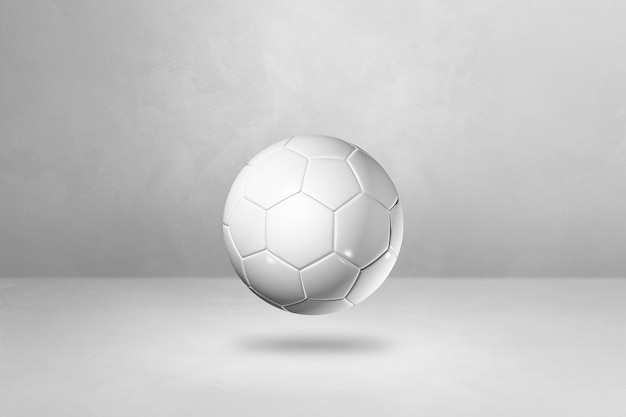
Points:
(313, 225)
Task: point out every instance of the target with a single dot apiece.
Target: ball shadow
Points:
(303, 344)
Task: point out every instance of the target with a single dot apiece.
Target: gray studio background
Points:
(123, 123)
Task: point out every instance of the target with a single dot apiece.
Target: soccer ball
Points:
(313, 225)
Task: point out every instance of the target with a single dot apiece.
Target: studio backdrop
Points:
(123, 124)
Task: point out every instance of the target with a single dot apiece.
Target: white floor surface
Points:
(116, 347)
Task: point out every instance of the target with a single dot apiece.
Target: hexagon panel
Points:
(371, 278)
(275, 177)
(233, 254)
(300, 230)
(361, 230)
(313, 146)
(330, 181)
(247, 227)
(235, 194)
(373, 179)
(270, 149)
(264, 298)
(319, 307)
(273, 278)
(329, 278)
(397, 228)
